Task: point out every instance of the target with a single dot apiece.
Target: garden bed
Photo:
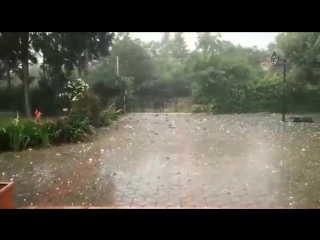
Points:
(20, 134)
(86, 113)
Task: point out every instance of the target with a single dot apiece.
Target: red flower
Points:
(37, 114)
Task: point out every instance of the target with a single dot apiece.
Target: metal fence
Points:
(166, 105)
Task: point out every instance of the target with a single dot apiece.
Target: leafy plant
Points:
(71, 129)
(74, 89)
(199, 108)
(109, 115)
(88, 105)
(18, 135)
(104, 118)
(21, 134)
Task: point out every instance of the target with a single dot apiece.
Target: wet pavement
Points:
(176, 160)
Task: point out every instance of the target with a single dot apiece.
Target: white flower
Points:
(74, 89)
(16, 121)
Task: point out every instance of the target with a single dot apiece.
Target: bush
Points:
(21, 134)
(88, 106)
(70, 129)
(200, 108)
(86, 114)
(109, 115)
(104, 118)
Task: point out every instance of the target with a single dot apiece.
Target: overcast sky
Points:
(246, 39)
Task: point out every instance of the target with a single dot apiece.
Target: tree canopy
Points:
(19, 50)
(216, 72)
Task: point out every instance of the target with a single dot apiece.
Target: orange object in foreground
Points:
(6, 195)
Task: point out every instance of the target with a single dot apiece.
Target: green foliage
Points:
(113, 116)
(109, 115)
(217, 74)
(231, 76)
(20, 134)
(59, 49)
(44, 98)
(134, 60)
(220, 76)
(74, 89)
(107, 86)
(88, 106)
(71, 130)
(86, 114)
(104, 118)
(200, 108)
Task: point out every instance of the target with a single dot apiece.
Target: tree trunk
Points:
(80, 66)
(86, 62)
(44, 68)
(8, 77)
(44, 72)
(25, 70)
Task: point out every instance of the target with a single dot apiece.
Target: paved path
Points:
(175, 160)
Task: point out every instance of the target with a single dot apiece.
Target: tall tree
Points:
(207, 42)
(179, 49)
(59, 48)
(134, 60)
(165, 38)
(8, 57)
(303, 50)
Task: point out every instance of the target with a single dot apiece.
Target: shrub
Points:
(110, 114)
(205, 108)
(107, 116)
(74, 89)
(199, 108)
(71, 129)
(88, 105)
(113, 115)
(104, 118)
(86, 113)
(21, 134)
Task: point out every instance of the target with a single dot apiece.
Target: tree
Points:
(179, 49)
(69, 49)
(208, 42)
(8, 57)
(134, 59)
(217, 73)
(303, 50)
(74, 49)
(153, 48)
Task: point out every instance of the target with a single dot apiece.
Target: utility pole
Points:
(124, 86)
(118, 66)
(284, 90)
(274, 61)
